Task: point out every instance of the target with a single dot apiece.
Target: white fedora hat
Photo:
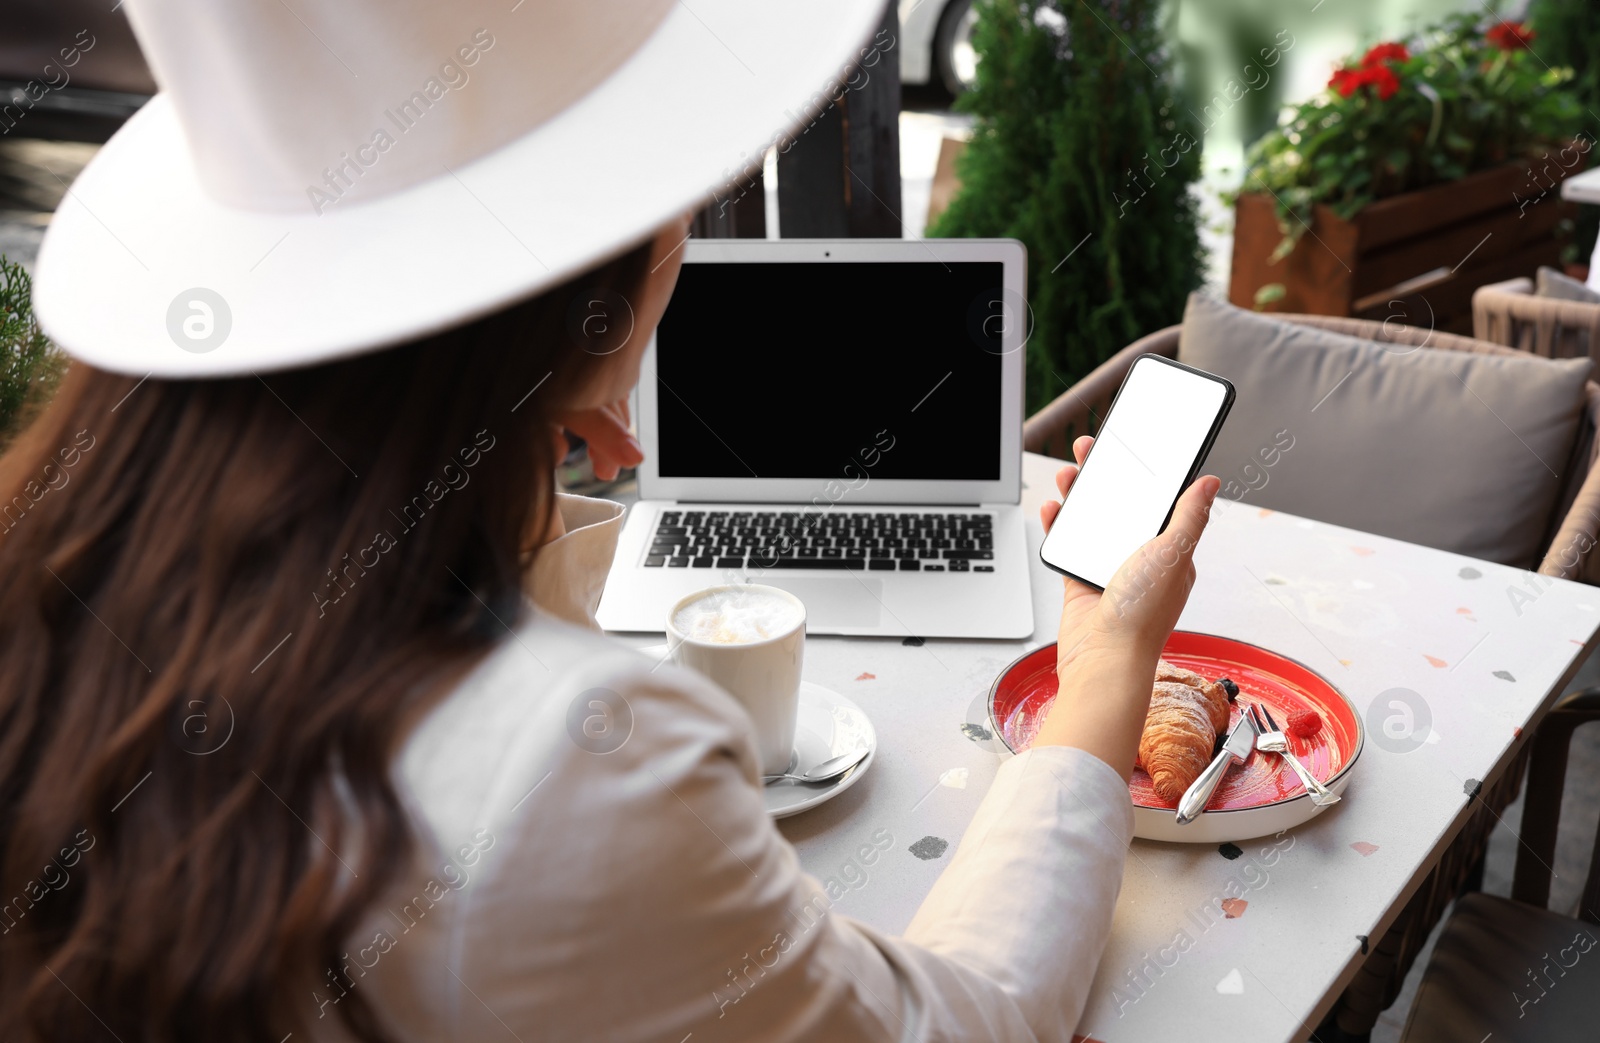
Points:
(319, 178)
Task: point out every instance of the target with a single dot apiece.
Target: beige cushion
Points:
(1560, 287)
(1510, 971)
(1449, 449)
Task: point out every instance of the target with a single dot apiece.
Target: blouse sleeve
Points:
(644, 894)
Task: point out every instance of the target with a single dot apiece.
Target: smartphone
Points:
(1151, 446)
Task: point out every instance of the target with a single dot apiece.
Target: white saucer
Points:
(828, 725)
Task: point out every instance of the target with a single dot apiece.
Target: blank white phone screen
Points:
(1135, 471)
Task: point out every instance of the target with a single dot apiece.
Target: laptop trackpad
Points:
(845, 601)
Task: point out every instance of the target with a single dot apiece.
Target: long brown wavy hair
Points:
(204, 673)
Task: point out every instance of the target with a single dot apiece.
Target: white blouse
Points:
(593, 862)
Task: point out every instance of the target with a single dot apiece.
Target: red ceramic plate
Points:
(1259, 797)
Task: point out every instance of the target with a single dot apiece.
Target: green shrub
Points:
(1082, 147)
(30, 366)
(1567, 34)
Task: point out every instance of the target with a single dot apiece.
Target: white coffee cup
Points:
(750, 639)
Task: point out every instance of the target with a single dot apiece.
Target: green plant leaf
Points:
(1463, 106)
(1270, 293)
(30, 366)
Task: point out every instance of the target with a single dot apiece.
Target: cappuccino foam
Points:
(737, 617)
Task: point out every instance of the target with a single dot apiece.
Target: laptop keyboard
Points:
(907, 541)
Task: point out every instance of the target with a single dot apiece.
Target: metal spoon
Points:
(827, 771)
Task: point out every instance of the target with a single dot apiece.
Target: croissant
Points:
(1178, 735)
(1217, 693)
(1186, 714)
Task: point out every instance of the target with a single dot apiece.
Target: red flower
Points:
(1385, 52)
(1381, 77)
(1510, 36)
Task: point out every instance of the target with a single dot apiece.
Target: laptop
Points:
(841, 419)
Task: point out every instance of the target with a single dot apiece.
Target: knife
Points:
(1241, 741)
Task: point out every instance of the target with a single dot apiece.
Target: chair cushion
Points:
(1508, 971)
(1450, 449)
(1557, 286)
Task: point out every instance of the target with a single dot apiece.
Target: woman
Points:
(291, 658)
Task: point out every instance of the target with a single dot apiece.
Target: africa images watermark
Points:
(11, 514)
(199, 320)
(1541, 178)
(853, 873)
(454, 872)
(1582, 942)
(1138, 980)
(452, 76)
(25, 97)
(855, 475)
(53, 877)
(851, 77)
(1183, 142)
(1399, 720)
(1252, 476)
(412, 514)
(1535, 584)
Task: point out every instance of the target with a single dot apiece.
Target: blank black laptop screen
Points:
(821, 369)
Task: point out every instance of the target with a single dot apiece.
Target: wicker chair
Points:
(1508, 313)
(1078, 411)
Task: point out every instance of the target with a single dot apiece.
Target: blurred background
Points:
(71, 74)
(45, 144)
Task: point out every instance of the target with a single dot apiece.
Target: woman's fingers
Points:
(1148, 592)
(1064, 480)
(1173, 550)
(1064, 477)
(1050, 508)
(1191, 513)
(611, 445)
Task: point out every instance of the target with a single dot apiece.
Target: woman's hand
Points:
(1108, 642)
(605, 428)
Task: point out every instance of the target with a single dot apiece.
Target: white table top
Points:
(1369, 613)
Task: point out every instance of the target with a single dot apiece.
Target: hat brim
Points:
(695, 107)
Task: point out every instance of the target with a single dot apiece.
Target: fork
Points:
(1272, 740)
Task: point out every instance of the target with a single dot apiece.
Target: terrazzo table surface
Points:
(1481, 649)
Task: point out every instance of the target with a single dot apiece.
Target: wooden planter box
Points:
(1413, 258)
